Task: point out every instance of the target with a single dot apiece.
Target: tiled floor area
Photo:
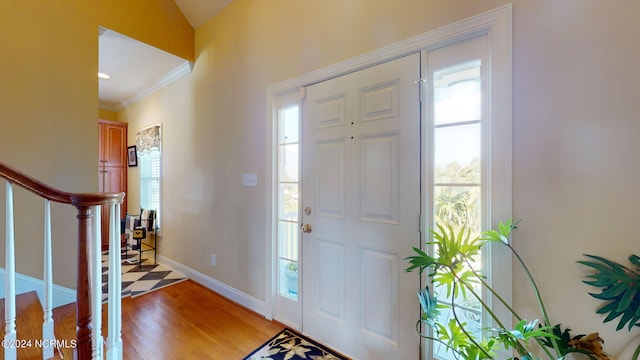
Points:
(138, 279)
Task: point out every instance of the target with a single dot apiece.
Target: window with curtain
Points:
(149, 158)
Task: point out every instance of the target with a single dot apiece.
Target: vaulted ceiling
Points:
(199, 12)
(137, 69)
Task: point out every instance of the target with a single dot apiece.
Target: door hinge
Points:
(303, 92)
(420, 83)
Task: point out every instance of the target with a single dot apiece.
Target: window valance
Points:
(148, 139)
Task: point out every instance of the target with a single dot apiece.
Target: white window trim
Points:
(290, 309)
(497, 25)
(159, 210)
(495, 183)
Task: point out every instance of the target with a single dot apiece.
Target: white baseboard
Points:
(24, 284)
(219, 287)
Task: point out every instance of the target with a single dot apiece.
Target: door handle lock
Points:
(306, 228)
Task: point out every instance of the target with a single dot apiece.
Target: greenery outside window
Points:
(468, 157)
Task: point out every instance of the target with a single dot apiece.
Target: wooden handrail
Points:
(84, 203)
(43, 190)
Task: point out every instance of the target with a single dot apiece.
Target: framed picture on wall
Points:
(132, 156)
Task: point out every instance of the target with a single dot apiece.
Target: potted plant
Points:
(450, 270)
(291, 273)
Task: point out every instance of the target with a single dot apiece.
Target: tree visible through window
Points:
(458, 165)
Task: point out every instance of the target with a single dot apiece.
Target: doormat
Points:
(139, 278)
(289, 344)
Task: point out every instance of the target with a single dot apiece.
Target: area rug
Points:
(139, 278)
(289, 344)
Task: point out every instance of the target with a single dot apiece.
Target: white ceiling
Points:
(199, 12)
(138, 69)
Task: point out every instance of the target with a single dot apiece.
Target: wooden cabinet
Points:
(112, 167)
(113, 143)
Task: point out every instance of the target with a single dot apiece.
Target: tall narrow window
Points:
(149, 152)
(150, 180)
(287, 197)
(288, 202)
(458, 164)
(468, 173)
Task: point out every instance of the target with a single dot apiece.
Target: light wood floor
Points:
(186, 321)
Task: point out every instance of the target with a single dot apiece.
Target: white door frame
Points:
(492, 23)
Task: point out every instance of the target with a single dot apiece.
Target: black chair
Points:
(145, 234)
(123, 238)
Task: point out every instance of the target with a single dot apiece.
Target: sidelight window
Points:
(468, 172)
(288, 195)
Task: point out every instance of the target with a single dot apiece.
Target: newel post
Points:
(83, 295)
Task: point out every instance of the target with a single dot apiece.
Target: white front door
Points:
(361, 205)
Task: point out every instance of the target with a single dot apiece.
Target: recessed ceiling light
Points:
(103, 76)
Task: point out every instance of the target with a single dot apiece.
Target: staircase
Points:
(85, 316)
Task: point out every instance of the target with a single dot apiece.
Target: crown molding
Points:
(175, 74)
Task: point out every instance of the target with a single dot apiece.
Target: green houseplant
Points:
(450, 270)
(619, 290)
(291, 274)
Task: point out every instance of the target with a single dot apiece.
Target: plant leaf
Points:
(620, 289)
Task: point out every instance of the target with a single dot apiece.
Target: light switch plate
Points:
(250, 180)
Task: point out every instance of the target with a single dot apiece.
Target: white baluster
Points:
(47, 325)
(96, 286)
(10, 279)
(114, 339)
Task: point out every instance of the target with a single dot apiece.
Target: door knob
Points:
(306, 228)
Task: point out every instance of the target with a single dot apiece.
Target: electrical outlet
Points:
(213, 260)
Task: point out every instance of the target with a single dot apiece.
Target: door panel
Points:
(113, 179)
(112, 167)
(330, 179)
(330, 287)
(361, 178)
(379, 178)
(115, 145)
(379, 275)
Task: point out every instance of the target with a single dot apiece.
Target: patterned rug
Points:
(289, 344)
(139, 279)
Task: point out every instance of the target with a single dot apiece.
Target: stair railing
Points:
(89, 341)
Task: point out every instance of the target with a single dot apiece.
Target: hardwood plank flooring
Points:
(28, 312)
(187, 321)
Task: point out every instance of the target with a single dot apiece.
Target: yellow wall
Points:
(575, 125)
(575, 131)
(107, 115)
(158, 23)
(49, 105)
(48, 97)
